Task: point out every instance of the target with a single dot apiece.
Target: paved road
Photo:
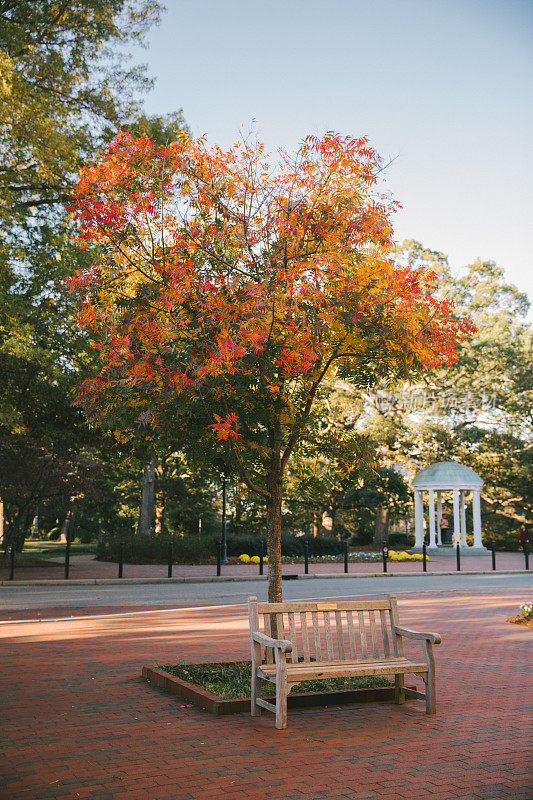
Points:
(192, 594)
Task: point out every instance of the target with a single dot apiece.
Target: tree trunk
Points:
(273, 508)
(381, 525)
(35, 526)
(67, 521)
(1, 521)
(146, 508)
(159, 504)
(315, 524)
(159, 513)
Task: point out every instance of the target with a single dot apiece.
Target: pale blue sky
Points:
(444, 85)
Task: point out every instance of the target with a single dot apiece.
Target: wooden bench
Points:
(300, 641)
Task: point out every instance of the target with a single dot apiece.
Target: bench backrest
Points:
(336, 630)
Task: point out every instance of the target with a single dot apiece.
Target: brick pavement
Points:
(77, 722)
(85, 566)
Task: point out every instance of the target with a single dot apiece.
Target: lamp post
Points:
(224, 554)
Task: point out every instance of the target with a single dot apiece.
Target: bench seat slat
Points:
(351, 635)
(305, 638)
(340, 634)
(325, 669)
(316, 635)
(384, 631)
(362, 634)
(269, 653)
(373, 634)
(327, 629)
(292, 636)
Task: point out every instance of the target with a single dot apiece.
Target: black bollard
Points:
(385, 554)
(12, 563)
(526, 554)
(458, 551)
(261, 562)
(346, 556)
(424, 562)
(120, 558)
(306, 558)
(219, 559)
(493, 549)
(170, 559)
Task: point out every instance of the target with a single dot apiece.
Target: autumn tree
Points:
(226, 288)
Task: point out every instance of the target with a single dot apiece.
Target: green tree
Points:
(494, 362)
(63, 77)
(65, 88)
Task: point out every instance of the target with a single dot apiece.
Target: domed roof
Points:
(447, 475)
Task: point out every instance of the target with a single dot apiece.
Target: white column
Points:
(419, 519)
(432, 540)
(463, 518)
(456, 519)
(439, 517)
(476, 504)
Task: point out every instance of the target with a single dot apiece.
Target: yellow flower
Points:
(244, 559)
(255, 559)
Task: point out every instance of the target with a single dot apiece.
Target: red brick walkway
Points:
(77, 722)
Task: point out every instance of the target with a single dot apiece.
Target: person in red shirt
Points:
(523, 536)
(444, 526)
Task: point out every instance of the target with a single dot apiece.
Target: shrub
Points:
(154, 549)
(291, 545)
(197, 549)
(400, 540)
(403, 556)
(502, 539)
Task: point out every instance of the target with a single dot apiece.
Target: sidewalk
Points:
(79, 723)
(85, 567)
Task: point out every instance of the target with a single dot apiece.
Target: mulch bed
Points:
(527, 622)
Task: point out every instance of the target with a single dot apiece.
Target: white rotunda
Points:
(439, 479)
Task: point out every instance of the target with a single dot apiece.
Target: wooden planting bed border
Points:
(220, 706)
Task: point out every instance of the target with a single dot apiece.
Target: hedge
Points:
(197, 549)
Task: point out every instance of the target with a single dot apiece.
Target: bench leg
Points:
(431, 688)
(399, 695)
(255, 710)
(431, 693)
(281, 695)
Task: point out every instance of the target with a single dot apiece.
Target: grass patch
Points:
(44, 549)
(231, 680)
(37, 553)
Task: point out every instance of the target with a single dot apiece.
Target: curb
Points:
(249, 578)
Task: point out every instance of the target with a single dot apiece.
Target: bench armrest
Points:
(281, 644)
(434, 638)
